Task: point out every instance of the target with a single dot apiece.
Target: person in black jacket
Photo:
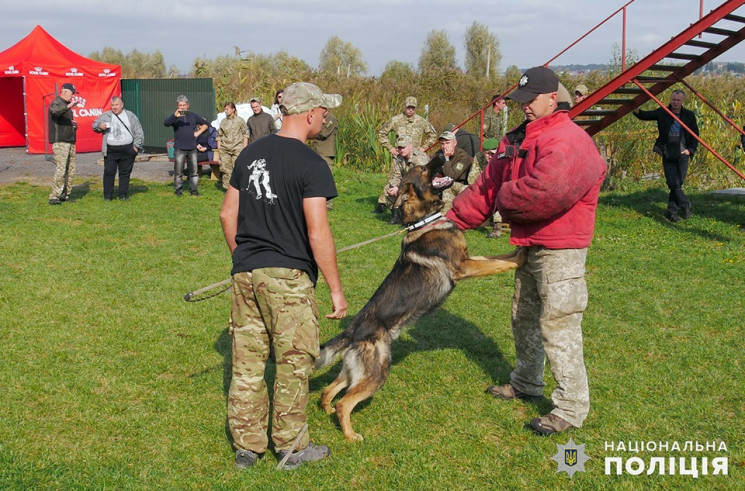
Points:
(676, 146)
(62, 129)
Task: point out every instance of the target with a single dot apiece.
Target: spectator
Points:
(545, 181)
(676, 146)
(421, 133)
(453, 178)
(187, 126)
(325, 145)
(62, 130)
(580, 93)
(406, 157)
(122, 140)
(464, 139)
(275, 110)
(260, 123)
(495, 122)
(232, 137)
(277, 246)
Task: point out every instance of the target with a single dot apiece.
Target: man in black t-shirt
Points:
(275, 223)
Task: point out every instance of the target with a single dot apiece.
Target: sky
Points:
(530, 32)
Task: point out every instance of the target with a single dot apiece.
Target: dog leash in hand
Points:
(195, 295)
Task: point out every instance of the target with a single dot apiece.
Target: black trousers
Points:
(118, 158)
(675, 176)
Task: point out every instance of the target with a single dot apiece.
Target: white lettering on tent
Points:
(74, 73)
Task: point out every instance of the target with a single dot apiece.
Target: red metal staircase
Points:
(667, 65)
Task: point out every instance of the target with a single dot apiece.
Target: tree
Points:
(342, 58)
(482, 51)
(398, 70)
(512, 74)
(134, 64)
(437, 53)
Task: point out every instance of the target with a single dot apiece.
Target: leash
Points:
(282, 463)
(195, 295)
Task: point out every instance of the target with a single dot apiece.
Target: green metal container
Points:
(153, 100)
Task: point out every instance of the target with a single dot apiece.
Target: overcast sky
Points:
(530, 32)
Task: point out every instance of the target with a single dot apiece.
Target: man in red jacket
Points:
(544, 181)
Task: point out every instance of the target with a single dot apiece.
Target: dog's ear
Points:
(404, 191)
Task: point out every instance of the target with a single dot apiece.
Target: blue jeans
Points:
(178, 169)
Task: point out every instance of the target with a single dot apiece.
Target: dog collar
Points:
(425, 221)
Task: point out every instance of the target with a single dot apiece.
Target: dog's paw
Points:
(354, 437)
(329, 409)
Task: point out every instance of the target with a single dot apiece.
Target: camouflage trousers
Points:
(64, 161)
(273, 308)
(550, 297)
(227, 157)
(449, 194)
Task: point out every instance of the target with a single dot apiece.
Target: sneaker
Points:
(124, 197)
(55, 201)
(380, 208)
(686, 213)
(310, 453)
(178, 193)
(507, 392)
(194, 193)
(66, 199)
(107, 198)
(673, 217)
(245, 458)
(548, 425)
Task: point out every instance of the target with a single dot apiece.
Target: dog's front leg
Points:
(487, 265)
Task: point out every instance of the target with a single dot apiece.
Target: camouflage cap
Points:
(402, 141)
(255, 99)
(582, 89)
(303, 96)
(410, 101)
(490, 144)
(447, 135)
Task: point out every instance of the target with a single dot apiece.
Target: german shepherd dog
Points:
(433, 257)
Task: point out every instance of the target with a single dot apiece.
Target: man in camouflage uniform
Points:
(545, 181)
(62, 129)
(325, 145)
(421, 133)
(495, 121)
(456, 170)
(480, 162)
(406, 157)
(273, 302)
(232, 137)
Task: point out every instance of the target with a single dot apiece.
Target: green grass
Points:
(110, 380)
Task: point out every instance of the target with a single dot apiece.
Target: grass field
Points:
(110, 380)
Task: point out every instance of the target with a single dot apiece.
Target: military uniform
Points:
(399, 167)
(495, 125)
(62, 129)
(459, 167)
(325, 143)
(231, 136)
(419, 130)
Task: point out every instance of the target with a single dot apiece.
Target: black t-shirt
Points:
(274, 175)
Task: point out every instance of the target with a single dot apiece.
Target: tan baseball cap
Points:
(410, 101)
(303, 96)
(402, 141)
(582, 89)
(447, 135)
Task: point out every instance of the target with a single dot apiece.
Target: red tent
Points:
(31, 73)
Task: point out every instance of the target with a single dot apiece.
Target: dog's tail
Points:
(332, 349)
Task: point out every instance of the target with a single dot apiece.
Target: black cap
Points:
(535, 81)
(70, 87)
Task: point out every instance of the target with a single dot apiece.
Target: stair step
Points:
(587, 122)
(700, 44)
(599, 112)
(735, 18)
(683, 56)
(645, 78)
(721, 32)
(628, 90)
(664, 68)
(618, 102)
